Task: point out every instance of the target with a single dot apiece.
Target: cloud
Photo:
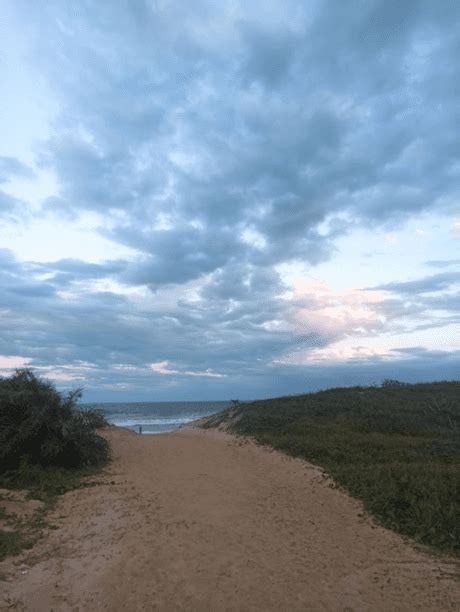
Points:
(129, 329)
(260, 123)
(8, 363)
(267, 53)
(418, 365)
(231, 327)
(162, 367)
(220, 144)
(442, 263)
(12, 209)
(11, 167)
(428, 284)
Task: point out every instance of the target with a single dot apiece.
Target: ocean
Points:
(156, 417)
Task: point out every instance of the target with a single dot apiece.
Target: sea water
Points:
(156, 417)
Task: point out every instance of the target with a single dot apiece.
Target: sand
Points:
(200, 520)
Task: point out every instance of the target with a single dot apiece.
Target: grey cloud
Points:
(7, 258)
(177, 255)
(74, 270)
(185, 126)
(10, 167)
(449, 302)
(243, 283)
(76, 266)
(435, 282)
(424, 303)
(12, 209)
(417, 366)
(58, 208)
(328, 130)
(24, 281)
(442, 263)
(33, 290)
(290, 380)
(222, 328)
(269, 53)
(108, 328)
(8, 206)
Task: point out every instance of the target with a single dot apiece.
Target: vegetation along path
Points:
(203, 520)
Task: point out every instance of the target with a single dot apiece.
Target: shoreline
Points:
(201, 519)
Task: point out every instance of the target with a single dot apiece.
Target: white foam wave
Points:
(133, 422)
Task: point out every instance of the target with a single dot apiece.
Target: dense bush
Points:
(40, 426)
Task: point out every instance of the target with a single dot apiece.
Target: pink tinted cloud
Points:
(13, 362)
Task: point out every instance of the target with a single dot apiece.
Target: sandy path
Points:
(199, 520)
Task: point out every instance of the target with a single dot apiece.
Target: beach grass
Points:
(11, 543)
(396, 447)
(44, 483)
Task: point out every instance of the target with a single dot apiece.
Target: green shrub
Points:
(42, 427)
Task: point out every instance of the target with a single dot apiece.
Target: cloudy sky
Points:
(232, 199)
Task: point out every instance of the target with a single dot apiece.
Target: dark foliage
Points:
(40, 426)
(396, 447)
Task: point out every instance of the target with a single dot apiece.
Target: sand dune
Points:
(199, 520)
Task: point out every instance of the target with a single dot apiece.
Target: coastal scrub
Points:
(396, 447)
(47, 444)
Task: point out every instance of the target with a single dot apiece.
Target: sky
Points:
(204, 200)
